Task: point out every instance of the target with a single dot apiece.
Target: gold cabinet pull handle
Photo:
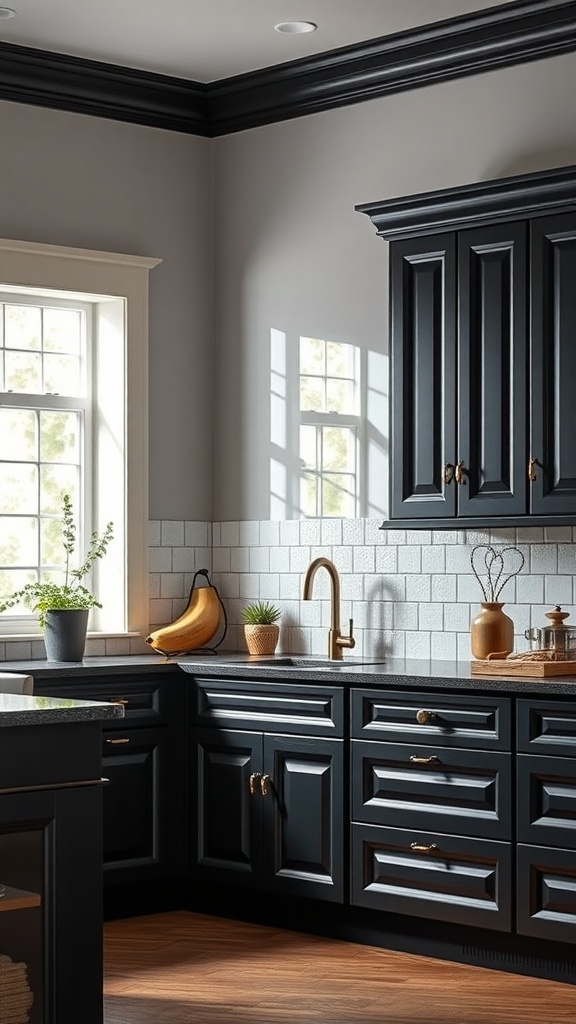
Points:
(118, 742)
(532, 474)
(422, 760)
(448, 474)
(264, 785)
(460, 472)
(423, 717)
(120, 700)
(252, 782)
(421, 848)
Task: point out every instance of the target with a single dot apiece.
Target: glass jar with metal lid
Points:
(558, 639)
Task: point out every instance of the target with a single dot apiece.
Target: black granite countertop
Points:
(308, 668)
(18, 709)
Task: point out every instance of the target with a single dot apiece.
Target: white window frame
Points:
(354, 421)
(118, 283)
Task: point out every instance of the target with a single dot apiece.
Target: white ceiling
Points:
(206, 40)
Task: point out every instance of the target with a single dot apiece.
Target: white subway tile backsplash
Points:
(331, 531)
(160, 559)
(363, 559)
(249, 533)
(171, 534)
(259, 559)
(197, 535)
(290, 532)
(558, 590)
(310, 532)
(353, 531)
(409, 559)
(543, 558)
(230, 534)
(269, 534)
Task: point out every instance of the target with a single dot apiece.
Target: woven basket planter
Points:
(261, 639)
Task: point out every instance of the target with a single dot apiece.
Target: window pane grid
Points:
(43, 349)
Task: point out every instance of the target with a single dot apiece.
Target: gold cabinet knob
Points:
(252, 781)
(423, 717)
(460, 472)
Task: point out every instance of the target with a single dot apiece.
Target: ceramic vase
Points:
(491, 631)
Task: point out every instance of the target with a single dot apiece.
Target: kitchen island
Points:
(51, 858)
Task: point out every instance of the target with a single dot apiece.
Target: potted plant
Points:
(261, 630)
(63, 607)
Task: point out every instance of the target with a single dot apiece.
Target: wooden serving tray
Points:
(527, 669)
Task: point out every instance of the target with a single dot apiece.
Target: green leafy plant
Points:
(43, 597)
(260, 613)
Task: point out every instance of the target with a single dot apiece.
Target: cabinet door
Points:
(423, 377)
(553, 365)
(226, 815)
(492, 370)
(304, 816)
(135, 803)
(547, 800)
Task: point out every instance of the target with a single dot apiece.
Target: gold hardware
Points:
(264, 785)
(448, 474)
(420, 848)
(460, 472)
(336, 641)
(125, 739)
(423, 717)
(120, 700)
(422, 760)
(252, 781)
(532, 474)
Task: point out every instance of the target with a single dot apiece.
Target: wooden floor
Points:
(184, 968)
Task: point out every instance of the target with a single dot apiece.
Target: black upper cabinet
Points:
(553, 365)
(482, 352)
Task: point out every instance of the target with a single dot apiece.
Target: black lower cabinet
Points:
(267, 811)
(136, 814)
(547, 893)
(426, 874)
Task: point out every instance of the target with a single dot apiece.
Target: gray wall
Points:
(293, 255)
(68, 179)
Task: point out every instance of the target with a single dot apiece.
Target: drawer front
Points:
(463, 791)
(452, 721)
(423, 874)
(547, 893)
(547, 800)
(547, 727)
(284, 708)
(145, 700)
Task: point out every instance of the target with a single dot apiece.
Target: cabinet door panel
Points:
(303, 823)
(425, 874)
(547, 800)
(422, 354)
(462, 791)
(547, 727)
(547, 893)
(492, 370)
(553, 364)
(135, 764)
(226, 813)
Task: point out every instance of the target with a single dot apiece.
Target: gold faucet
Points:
(335, 641)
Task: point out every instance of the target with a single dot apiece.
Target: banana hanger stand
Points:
(197, 625)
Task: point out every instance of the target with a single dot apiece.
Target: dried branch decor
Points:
(494, 569)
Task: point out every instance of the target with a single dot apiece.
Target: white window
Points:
(73, 419)
(330, 429)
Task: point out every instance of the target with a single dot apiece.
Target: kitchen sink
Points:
(303, 662)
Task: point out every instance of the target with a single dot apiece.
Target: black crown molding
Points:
(523, 195)
(497, 37)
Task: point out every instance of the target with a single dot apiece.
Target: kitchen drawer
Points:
(432, 718)
(145, 699)
(424, 874)
(547, 893)
(547, 727)
(547, 800)
(284, 708)
(411, 786)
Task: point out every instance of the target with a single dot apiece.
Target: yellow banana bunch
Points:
(194, 628)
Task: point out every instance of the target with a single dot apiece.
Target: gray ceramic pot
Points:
(65, 634)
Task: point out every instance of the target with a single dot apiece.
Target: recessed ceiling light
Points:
(7, 12)
(295, 27)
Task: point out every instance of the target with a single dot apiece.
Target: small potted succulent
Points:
(261, 629)
(63, 607)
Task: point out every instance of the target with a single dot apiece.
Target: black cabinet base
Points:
(476, 947)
